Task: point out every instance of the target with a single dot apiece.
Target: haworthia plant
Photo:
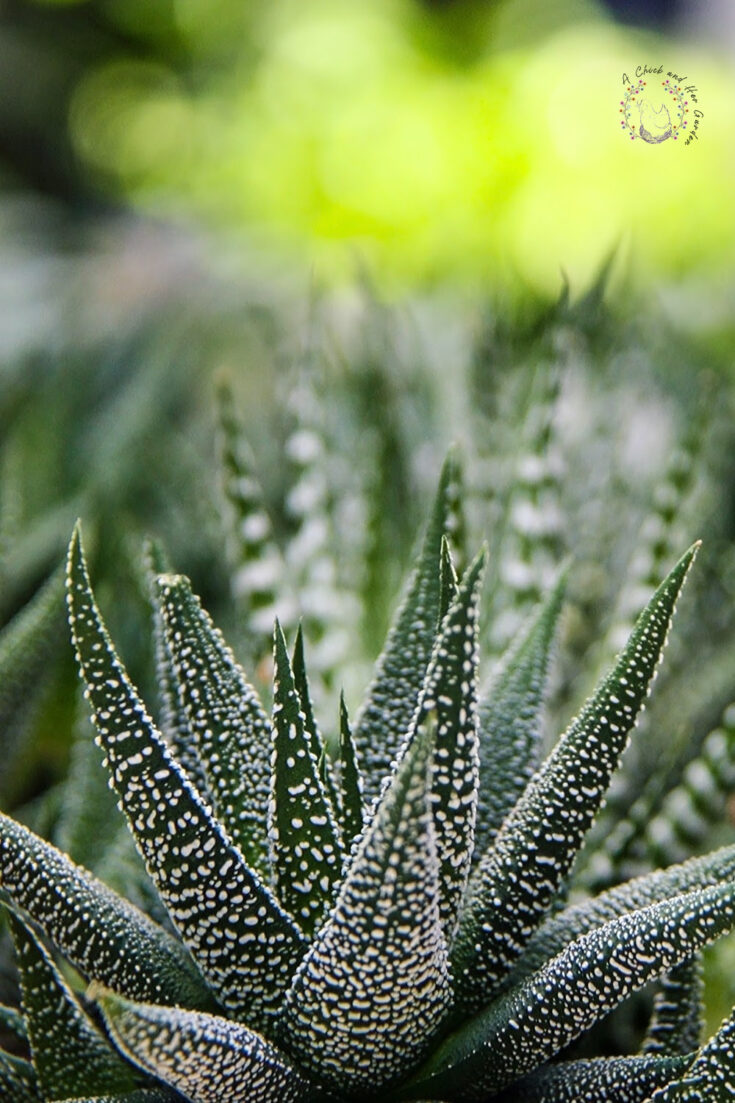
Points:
(389, 925)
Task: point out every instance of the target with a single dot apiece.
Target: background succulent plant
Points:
(375, 913)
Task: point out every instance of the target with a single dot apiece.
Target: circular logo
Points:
(661, 110)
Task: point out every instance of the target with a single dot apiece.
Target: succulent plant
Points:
(382, 916)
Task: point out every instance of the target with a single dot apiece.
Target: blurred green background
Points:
(472, 142)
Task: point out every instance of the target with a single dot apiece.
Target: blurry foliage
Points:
(473, 141)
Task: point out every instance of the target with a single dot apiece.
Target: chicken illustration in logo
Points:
(655, 122)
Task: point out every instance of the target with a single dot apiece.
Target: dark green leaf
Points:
(561, 929)
(605, 1080)
(207, 1058)
(184, 847)
(374, 986)
(70, 1056)
(533, 1021)
(307, 848)
(510, 715)
(513, 887)
(394, 694)
(711, 1077)
(231, 730)
(102, 935)
(17, 1080)
(677, 1020)
(350, 779)
(316, 743)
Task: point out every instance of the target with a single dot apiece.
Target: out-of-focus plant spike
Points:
(654, 835)
(28, 645)
(531, 540)
(325, 607)
(256, 563)
(663, 530)
(677, 1019)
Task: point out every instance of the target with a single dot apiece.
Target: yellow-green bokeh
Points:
(344, 130)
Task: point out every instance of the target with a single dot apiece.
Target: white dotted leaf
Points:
(100, 933)
(394, 694)
(601, 1080)
(231, 730)
(518, 879)
(307, 848)
(246, 946)
(71, 1057)
(533, 1021)
(510, 715)
(711, 1077)
(374, 986)
(207, 1058)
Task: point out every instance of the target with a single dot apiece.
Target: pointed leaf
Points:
(394, 693)
(17, 1080)
(307, 848)
(711, 1077)
(451, 694)
(448, 581)
(519, 877)
(575, 990)
(350, 779)
(316, 743)
(677, 1019)
(174, 721)
(573, 922)
(207, 1058)
(374, 986)
(231, 730)
(183, 845)
(257, 565)
(102, 935)
(70, 1056)
(12, 1022)
(510, 719)
(89, 820)
(604, 1080)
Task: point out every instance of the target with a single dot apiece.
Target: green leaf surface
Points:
(375, 986)
(27, 646)
(17, 1080)
(316, 743)
(173, 719)
(89, 821)
(350, 779)
(579, 919)
(518, 878)
(711, 1076)
(102, 935)
(603, 1080)
(510, 719)
(207, 1058)
(184, 847)
(71, 1057)
(450, 695)
(306, 844)
(677, 1019)
(533, 1021)
(231, 729)
(12, 1022)
(394, 693)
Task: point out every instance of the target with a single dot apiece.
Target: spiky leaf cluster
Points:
(385, 922)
